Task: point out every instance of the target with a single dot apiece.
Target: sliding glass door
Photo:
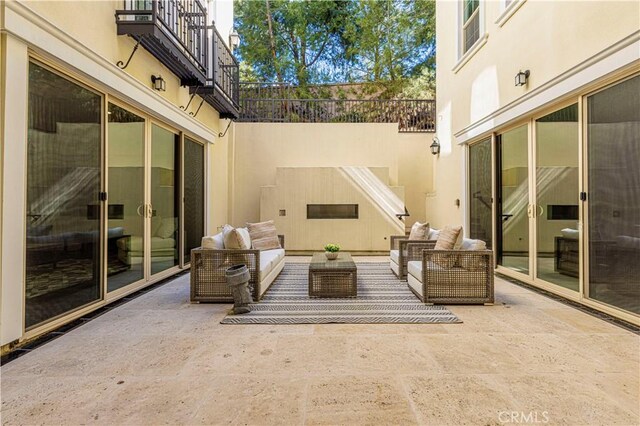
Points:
(194, 178)
(480, 198)
(556, 210)
(613, 196)
(105, 197)
(64, 180)
(164, 205)
(513, 205)
(126, 195)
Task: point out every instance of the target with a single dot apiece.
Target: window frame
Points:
(462, 55)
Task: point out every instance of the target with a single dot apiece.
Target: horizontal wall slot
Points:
(332, 211)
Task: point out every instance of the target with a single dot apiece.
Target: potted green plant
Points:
(331, 251)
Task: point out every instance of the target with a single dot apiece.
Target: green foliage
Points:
(385, 42)
(332, 248)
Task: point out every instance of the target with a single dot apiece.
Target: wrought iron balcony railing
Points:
(415, 115)
(222, 88)
(174, 31)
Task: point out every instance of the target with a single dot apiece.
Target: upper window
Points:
(508, 8)
(470, 24)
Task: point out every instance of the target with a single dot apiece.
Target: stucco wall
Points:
(548, 38)
(260, 148)
(295, 187)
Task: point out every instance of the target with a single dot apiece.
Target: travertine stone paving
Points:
(160, 360)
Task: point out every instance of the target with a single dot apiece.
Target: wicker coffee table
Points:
(333, 278)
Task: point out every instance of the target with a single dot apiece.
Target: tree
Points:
(391, 41)
(388, 42)
(296, 42)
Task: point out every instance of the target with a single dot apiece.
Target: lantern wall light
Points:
(158, 83)
(435, 146)
(234, 39)
(522, 77)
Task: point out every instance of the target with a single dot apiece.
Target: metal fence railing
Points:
(183, 21)
(411, 115)
(226, 71)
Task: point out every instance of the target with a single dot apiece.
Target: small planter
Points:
(331, 255)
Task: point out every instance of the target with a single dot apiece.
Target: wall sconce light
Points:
(234, 39)
(522, 77)
(158, 83)
(435, 146)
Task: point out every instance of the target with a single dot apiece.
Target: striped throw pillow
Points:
(450, 238)
(264, 235)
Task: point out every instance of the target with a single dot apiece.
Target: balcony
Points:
(222, 88)
(276, 103)
(174, 31)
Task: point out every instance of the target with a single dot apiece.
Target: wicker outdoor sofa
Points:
(208, 267)
(450, 276)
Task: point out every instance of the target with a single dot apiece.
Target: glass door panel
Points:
(557, 197)
(480, 199)
(613, 144)
(513, 200)
(165, 207)
(125, 234)
(63, 185)
(193, 196)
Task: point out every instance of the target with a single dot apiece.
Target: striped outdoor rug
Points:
(382, 299)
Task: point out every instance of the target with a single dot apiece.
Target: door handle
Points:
(506, 217)
(149, 210)
(138, 210)
(541, 210)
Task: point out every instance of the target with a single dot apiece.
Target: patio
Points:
(159, 359)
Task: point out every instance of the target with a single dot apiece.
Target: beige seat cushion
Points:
(263, 235)
(237, 239)
(419, 231)
(268, 261)
(395, 255)
(415, 268)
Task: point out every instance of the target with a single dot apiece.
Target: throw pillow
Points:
(237, 239)
(215, 242)
(419, 231)
(156, 222)
(264, 235)
(167, 228)
(472, 263)
(450, 238)
(433, 234)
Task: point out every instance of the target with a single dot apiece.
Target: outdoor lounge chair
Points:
(398, 253)
(451, 276)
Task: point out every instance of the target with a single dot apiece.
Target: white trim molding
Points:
(14, 177)
(619, 56)
(470, 53)
(507, 11)
(41, 35)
